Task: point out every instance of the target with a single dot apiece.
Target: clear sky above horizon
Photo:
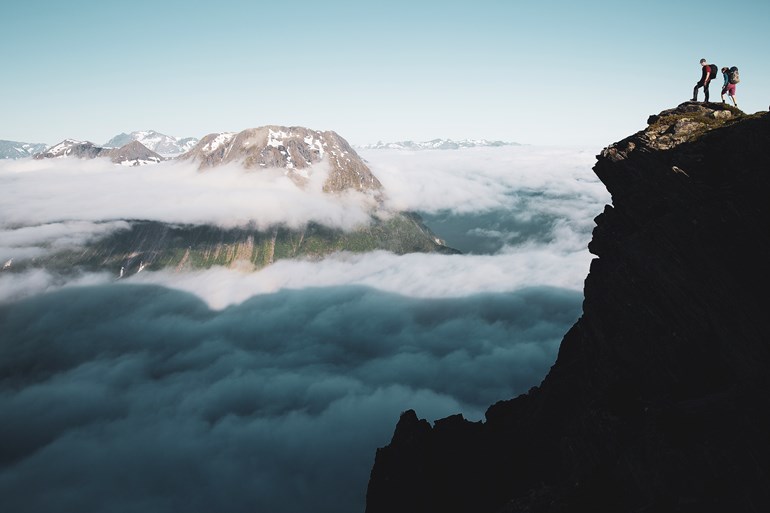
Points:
(549, 72)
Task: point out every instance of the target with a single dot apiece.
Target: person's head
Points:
(703, 62)
(724, 70)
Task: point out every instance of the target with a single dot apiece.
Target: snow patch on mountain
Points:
(218, 141)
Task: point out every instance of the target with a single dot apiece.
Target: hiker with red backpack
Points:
(732, 77)
(709, 72)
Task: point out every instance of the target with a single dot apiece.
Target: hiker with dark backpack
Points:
(709, 72)
(731, 78)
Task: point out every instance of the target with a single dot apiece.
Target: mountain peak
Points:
(294, 149)
(71, 148)
(133, 154)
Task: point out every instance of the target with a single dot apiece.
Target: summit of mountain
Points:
(294, 149)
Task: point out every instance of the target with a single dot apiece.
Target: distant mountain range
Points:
(170, 146)
(436, 144)
(19, 150)
(155, 245)
(160, 143)
(133, 153)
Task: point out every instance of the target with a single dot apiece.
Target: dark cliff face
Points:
(660, 397)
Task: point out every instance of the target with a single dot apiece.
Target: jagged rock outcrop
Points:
(660, 396)
(132, 154)
(294, 149)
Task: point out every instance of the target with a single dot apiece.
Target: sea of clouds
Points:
(218, 390)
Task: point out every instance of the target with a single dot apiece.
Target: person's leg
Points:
(695, 92)
(724, 90)
(732, 94)
(706, 91)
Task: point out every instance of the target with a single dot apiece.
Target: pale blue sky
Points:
(547, 72)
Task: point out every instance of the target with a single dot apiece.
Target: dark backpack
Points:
(733, 76)
(714, 71)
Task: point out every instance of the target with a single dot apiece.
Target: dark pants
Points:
(705, 87)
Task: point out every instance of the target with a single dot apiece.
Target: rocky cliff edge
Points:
(660, 398)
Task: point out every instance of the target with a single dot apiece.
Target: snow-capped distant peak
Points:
(19, 150)
(155, 141)
(436, 144)
(65, 147)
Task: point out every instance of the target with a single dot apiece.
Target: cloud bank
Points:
(141, 398)
(218, 390)
(39, 192)
(484, 199)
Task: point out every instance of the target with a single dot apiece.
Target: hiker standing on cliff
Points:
(731, 78)
(709, 72)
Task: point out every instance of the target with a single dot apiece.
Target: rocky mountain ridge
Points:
(436, 144)
(658, 400)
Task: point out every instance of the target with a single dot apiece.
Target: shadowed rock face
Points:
(294, 149)
(659, 399)
(155, 246)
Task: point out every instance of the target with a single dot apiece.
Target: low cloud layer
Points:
(141, 398)
(484, 179)
(40, 192)
(483, 199)
(219, 390)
